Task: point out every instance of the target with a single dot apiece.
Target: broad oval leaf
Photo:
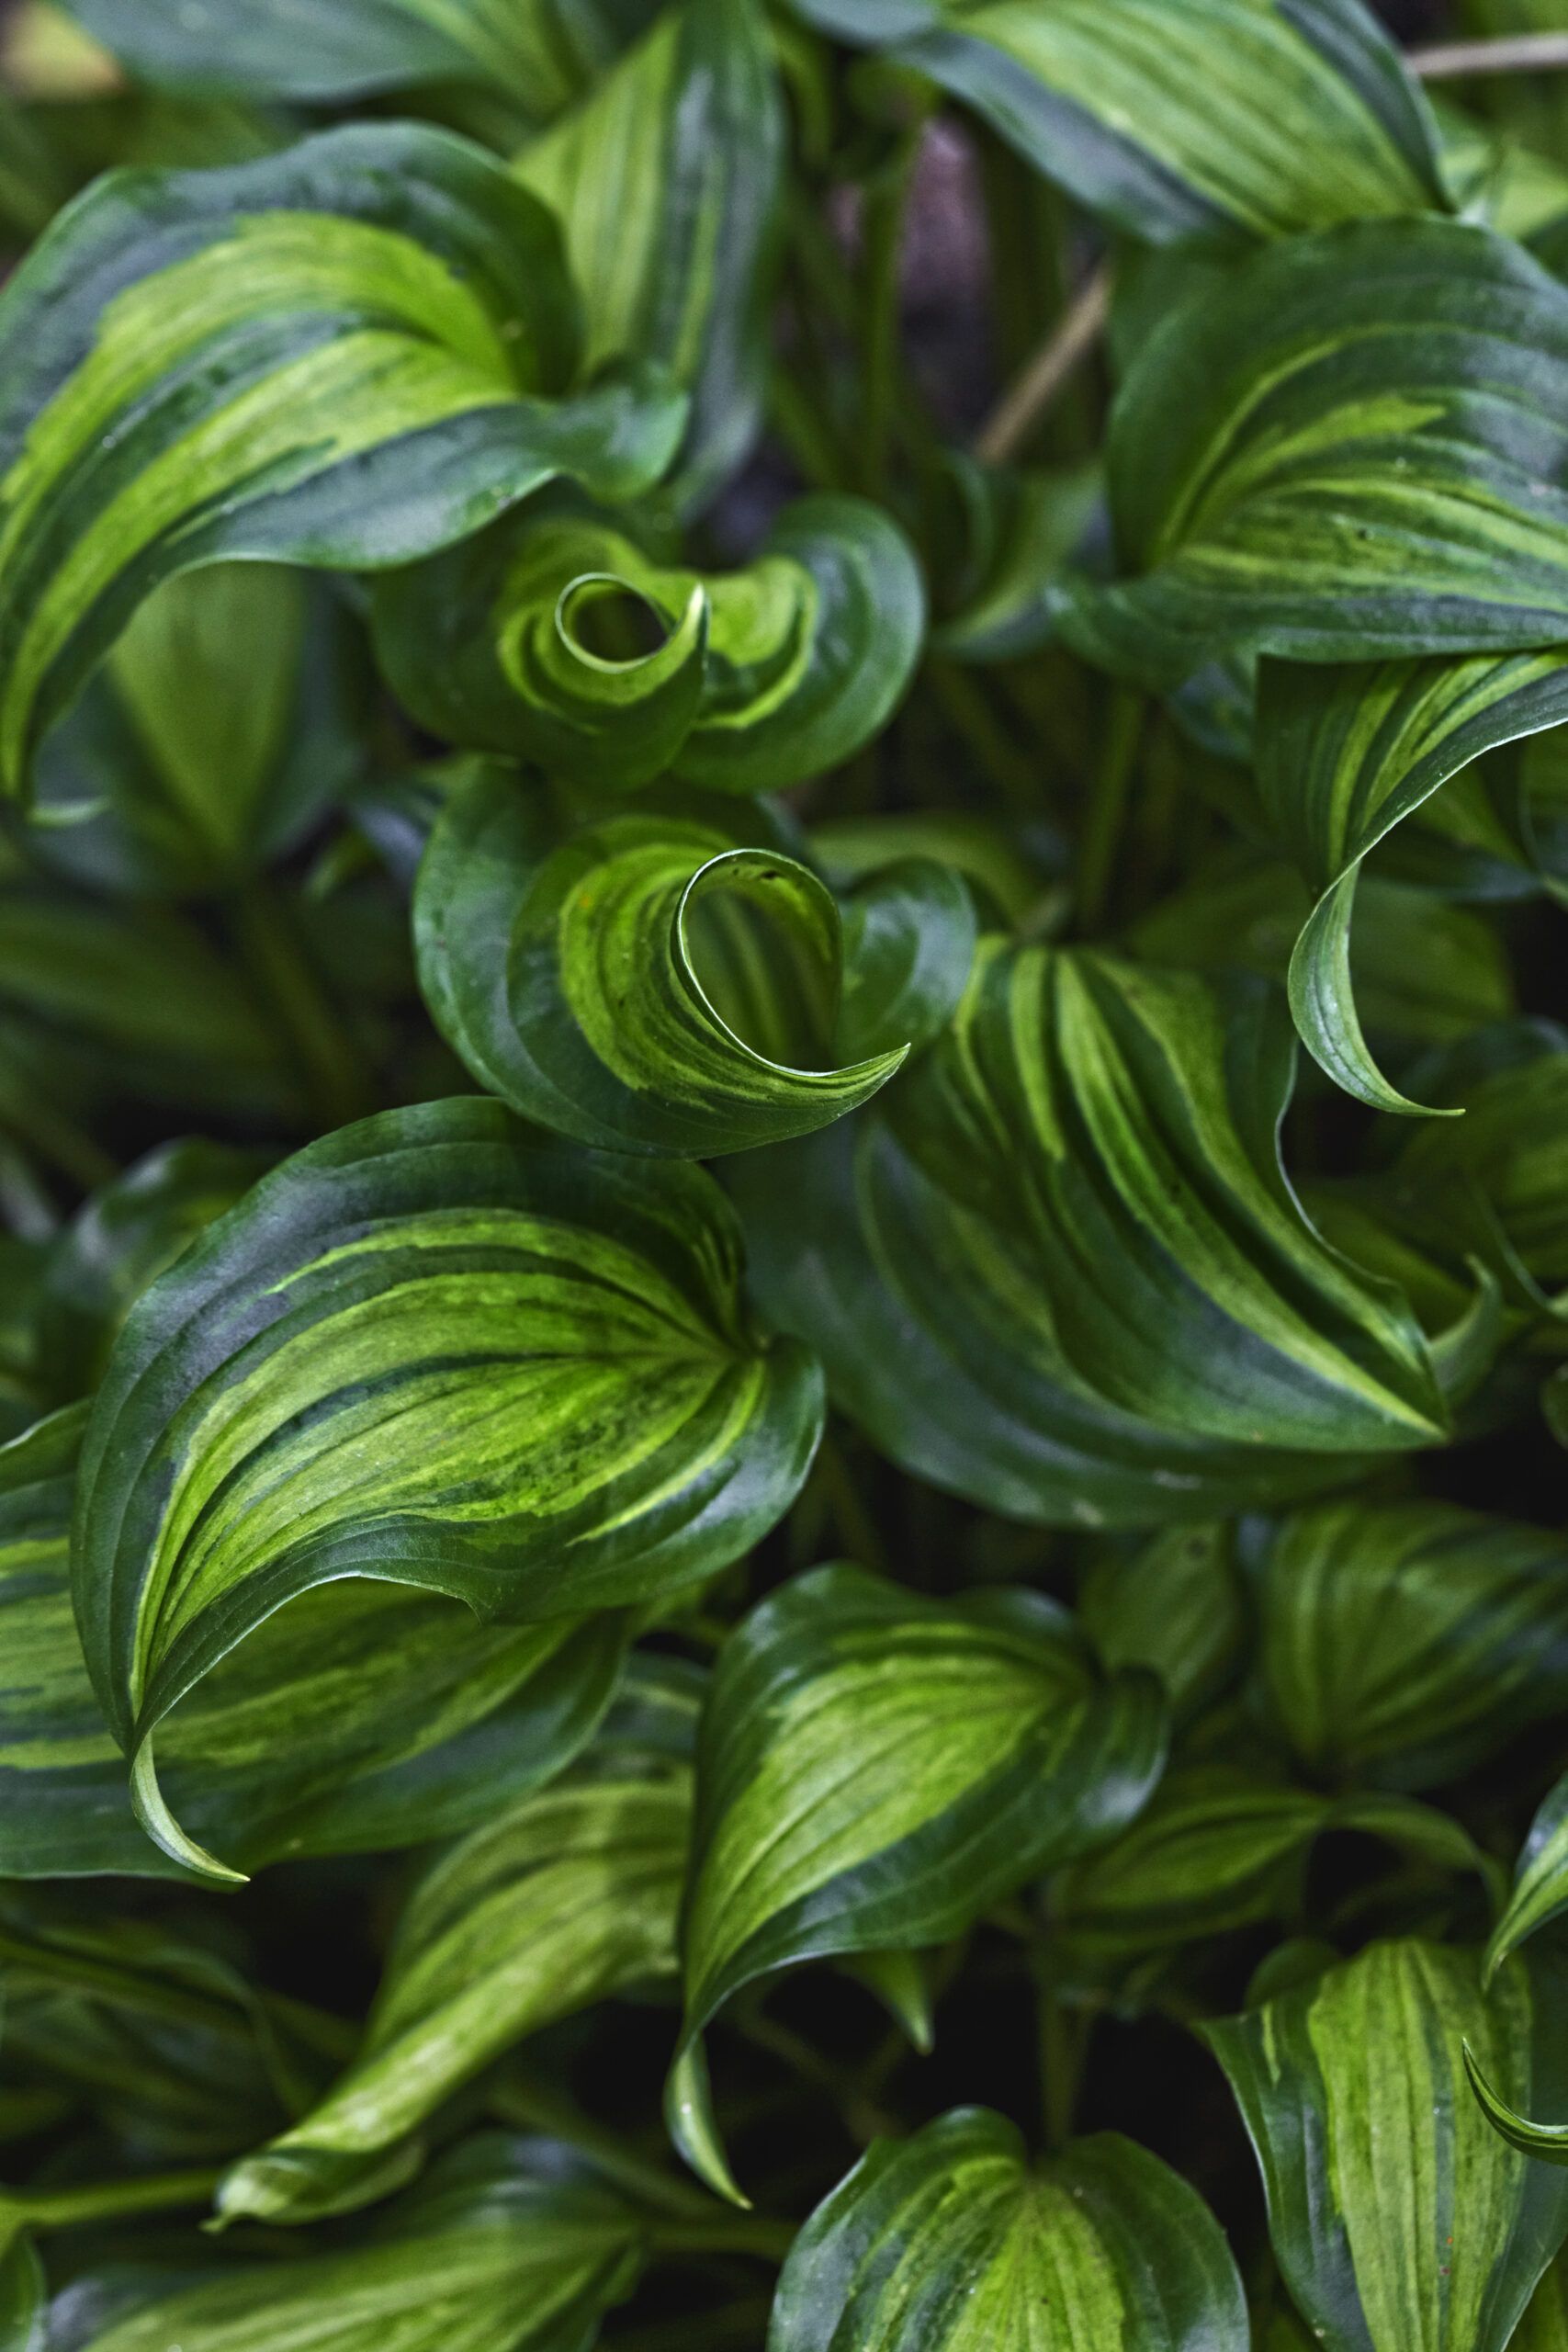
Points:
(551, 1905)
(1344, 754)
(348, 355)
(1402, 1642)
(1344, 451)
(541, 53)
(1221, 1847)
(527, 642)
(502, 2249)
(875, 1769)
(951, 2242)
(667, 179)
(1266, 116)
(668, 983)
(1175, 1605)
(298, 1400)
(1400, 2220)
(362, 1715)
(1063, 1272)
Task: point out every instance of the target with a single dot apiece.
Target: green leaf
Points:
(222, 728)
(555, 1904)
(24, 2298)
(346, 355)
(1540, 1882)
(668, 983)
(1219, 1847)
(1264, 116)
(502, 2250)
(634, 1436)
(1404, 1643)
(1174, 1606)
(1026, 530)
(541, 52)
(566, 644)
(666, 180)
(362, 1715)
(1346, 754)
(953, 2242)
(875, 1769)
(1062, 1271)
(1343, 452)
(1399, 2220)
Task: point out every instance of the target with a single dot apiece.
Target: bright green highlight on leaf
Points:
(951, 2242)
(346, 355)
(671, 982)
(754, 680)
(582, 1416)
(1266, 116)
(1400, 2220)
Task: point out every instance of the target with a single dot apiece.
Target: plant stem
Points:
(964, 703)
(1032, 391)
(1108, 804)
(854, 1520)
(63, 2209)
(1516, 53)
(886, 200)
(725, 2233)
(330, 1071)
(535, 2108)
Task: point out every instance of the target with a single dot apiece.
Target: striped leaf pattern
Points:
(1324, 457)
(951, 2242)
(635, 1435)
(1540, 1882)
(824, 1827)
(1264, 116)
(667, 179)
(347, 354)
(1400, 2220)
(542, 52)
(668, 983)
(758, 679)
(1344, 754)
(1091, 1135)
(500, 2251)
(545, 1909)
(1402, 1642)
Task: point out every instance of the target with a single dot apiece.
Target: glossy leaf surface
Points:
(540, 1912)
(1229, 114)
(526, 640)
(669, 982)
(1310, 459)
(951, 2242)
(1399, 2219)
(874, 1769)
(635, 1435)
(1090, 1134)
(347, 354)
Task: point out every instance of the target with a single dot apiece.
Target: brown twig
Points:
(1516, 53)
(1031, 391)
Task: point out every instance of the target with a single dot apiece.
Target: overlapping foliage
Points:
(783, 1166)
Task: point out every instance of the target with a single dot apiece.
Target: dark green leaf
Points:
(347, 354)
(669, 982)
(569, 1897)
(666, 180)
(1344, 451)
(501, 2251)
(1344, 754)
(1174, 1606)
(1540, 1883)
(536, 641)
(634, 1436)
(875, 1769)
(24, 2298)
(953, 2242)
(1064, 1273)
(1399, 2219)
(1267, 116)
(1402, 1644)
(541, 52)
